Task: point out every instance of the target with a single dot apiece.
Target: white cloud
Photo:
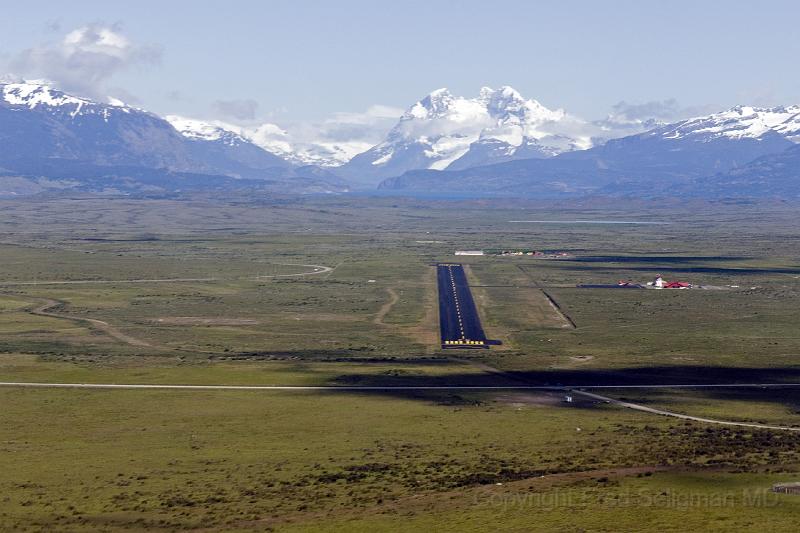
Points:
(271, 137)
(374, 113)
(333, 140)
(368, 126)
(85, 58)
(236, 109)
(627, 118)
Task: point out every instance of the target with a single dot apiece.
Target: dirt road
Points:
(47, 304)
(317, 269)
(385, 308)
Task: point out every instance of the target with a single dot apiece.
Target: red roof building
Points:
(677, 285)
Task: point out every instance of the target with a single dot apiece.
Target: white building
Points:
(469, 252)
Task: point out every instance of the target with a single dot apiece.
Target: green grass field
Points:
(199, 291)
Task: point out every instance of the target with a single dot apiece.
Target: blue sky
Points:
(305, 61)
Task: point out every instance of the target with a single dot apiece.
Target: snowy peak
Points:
(519, 122)
(491, 105)
(498, 114)
(222, 144)
(41, 97)
(441, 104)
(34, 94)
(507, 104)
(276, 140)
(740, 122)
(445, 131)
(270, 138)
(40, 124)
(199, 130)
(508, 93)
(438, 103)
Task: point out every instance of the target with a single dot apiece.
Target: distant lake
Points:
(638, 222)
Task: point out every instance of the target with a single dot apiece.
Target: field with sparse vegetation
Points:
(340, 291)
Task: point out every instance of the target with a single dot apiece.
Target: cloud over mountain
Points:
(443, 130)
(329, 142)
(236, 109)
(85, 59)
(627, 118)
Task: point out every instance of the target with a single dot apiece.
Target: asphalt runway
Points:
(459, 322)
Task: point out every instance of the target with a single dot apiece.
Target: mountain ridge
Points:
(442, 130)
(497, 143)
(39, 124)
(677, 157)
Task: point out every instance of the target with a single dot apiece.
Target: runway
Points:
(459, 323)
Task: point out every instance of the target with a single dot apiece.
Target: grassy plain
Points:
(226, 293)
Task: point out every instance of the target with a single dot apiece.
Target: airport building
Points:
(469, 252)
(786, 488)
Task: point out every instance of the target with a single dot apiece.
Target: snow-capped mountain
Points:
(496, 142)
(199, 130)
(668, 159)
(706, 144)
(278, 141)
(272, 139)
(223, 150)
(46, 133)
(740, 122)
(443, 131)
(326, 153)
(37, 94)
(37, 121)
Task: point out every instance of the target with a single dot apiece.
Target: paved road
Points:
(459, 323)
(346, 388)
(662, 412)
(383, 388)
